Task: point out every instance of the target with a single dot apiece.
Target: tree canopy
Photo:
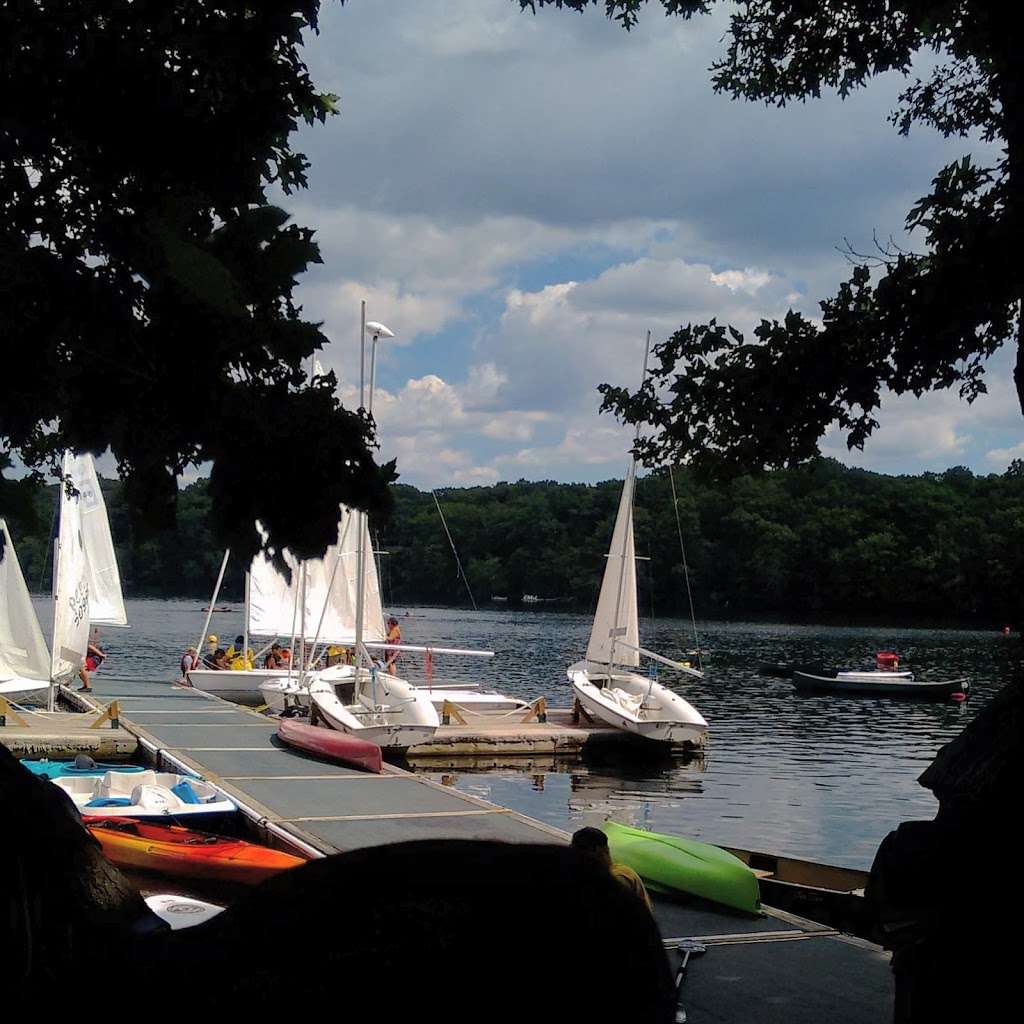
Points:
(905, 321)
(145, 280)
(814, 542)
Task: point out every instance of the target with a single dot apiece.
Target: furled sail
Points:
(24, 659)
(70, 592)
(616, 618)
(106, 602)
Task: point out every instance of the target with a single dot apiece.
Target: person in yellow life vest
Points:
(593, 843)
(238, 661)
(394, 640)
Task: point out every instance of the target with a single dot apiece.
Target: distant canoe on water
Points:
(219, 608)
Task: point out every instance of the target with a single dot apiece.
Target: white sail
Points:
(70, 592)
(616, 617)
(331, 584)
(106, 602)
(271, 596)
(23, 653)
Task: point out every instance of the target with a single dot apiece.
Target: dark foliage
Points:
(814, 542)
(905, 322)
(145, 283)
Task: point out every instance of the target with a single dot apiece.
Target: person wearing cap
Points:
(593, 844)
(394, 639)
(238, 658)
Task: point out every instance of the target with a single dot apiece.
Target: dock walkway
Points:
(775, 968)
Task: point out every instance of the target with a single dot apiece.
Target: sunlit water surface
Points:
(821, 777)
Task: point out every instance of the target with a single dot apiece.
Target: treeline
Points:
(820, 541)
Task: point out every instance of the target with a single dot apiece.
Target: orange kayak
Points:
(174, 850)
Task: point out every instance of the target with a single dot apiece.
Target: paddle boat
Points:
(670, 864)
(82, 766)
(146, 794)
(173, 850)
(181, 911)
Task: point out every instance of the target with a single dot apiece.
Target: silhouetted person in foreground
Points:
(593, 843)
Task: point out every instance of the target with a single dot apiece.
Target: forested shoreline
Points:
(819, 542)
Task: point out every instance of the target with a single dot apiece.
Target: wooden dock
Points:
(64, 734)
(760, 970)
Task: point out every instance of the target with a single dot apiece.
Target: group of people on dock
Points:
(241, 658)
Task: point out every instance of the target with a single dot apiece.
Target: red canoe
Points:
(330, 743)
(173, 850)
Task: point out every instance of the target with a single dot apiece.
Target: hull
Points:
(664, 717)
(331, 744)
(67, 769)
(146, 794)
(480, 702)
(19, 689)
(183, 853)
(882, 686)
(685, 865)
(238, 687)
(181, 911)
(391, 713)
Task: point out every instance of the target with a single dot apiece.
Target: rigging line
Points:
(458, 561)
(686, 568)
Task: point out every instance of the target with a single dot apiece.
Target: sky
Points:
(520, 198)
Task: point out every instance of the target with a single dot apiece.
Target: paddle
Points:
(685, 949)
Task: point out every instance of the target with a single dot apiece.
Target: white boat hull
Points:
(18, 689)
(401, 717)
(623, 702)
(240, 687)
(144, 794)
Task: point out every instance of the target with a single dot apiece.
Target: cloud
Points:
(1000, 458)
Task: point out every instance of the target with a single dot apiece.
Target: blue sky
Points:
(520, 198)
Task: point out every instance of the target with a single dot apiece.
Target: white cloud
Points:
(1000, 458)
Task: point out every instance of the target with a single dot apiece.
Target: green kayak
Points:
(674, 864)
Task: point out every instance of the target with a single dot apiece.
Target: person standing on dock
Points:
(593, 843)
(93, 659)
(394, 640)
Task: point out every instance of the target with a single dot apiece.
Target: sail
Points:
(23, 653)
(331, 588)
(272, 608)
(70, 592)
(616, 617)
(106, 602)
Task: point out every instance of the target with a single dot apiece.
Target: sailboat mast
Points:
(245, 624)
(53, 590)
(631, 484)
(360, 554)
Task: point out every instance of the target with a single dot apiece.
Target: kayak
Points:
(675, 864)
(179, 851)
(181, 911)
(68, 770)
(332, 744)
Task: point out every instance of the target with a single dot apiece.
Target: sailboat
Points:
(364, 699)
(24, 657)
(605, 681)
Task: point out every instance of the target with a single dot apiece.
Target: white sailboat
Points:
(24, 657)
(71, 593)
(605, 682)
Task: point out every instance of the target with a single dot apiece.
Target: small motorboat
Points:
(674, 864)
(179, 851)
(331, 744)
(181, 911)
(145, 794)
(893, 684)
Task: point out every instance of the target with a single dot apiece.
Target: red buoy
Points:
(959, 696)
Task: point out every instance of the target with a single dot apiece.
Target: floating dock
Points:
(64, 734)
(778, 967)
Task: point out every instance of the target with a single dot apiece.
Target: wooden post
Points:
(580, 713)
(7, 711)
(112, 715)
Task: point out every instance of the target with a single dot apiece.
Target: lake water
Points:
(813, 776)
